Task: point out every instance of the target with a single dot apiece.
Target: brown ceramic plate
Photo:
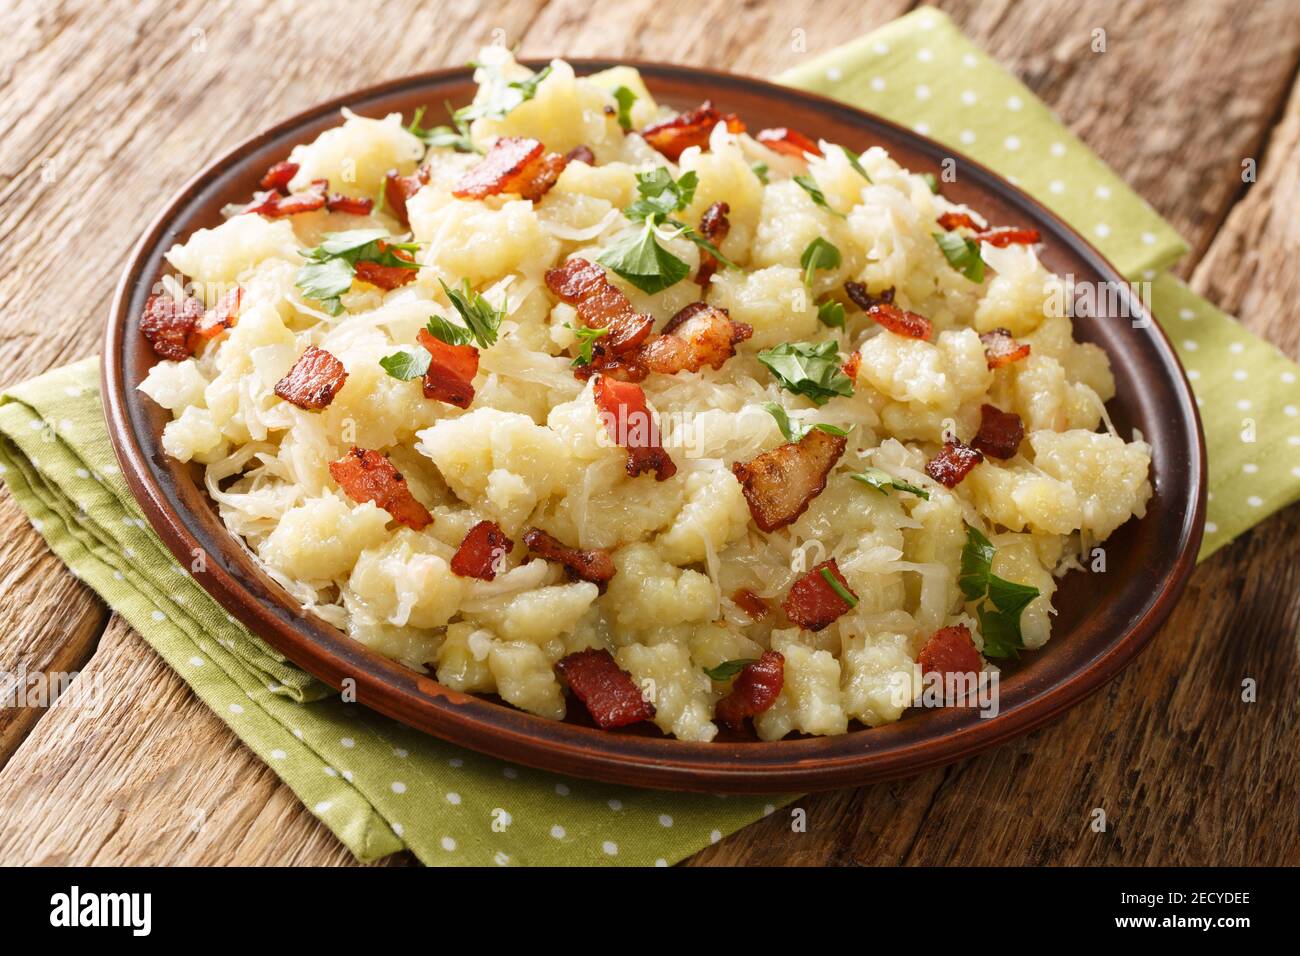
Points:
(1103, 619)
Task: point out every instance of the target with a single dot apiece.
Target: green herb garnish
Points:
(962, 254)
(457, 137)
(332, 265)
(661, 195)
(481, 319)
(586, 342)
(643, 262)
(882, 481)
(760, 170)
(931, 182)
(625, 98)
(502, 99)
(729, 669)
(406, 364)
(820, 254)
(792, 429)
(1002, 601)
(845, 594)
(809, 185)
(831, 314)
(855, 160)
(811, 369)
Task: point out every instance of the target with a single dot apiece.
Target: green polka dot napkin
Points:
(381, 787)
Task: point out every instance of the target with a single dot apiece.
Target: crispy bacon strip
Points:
(513, 165)
(356, 206)
(779, 484)
(1001, 349)
(313, 381)
(387, 277)
(958, 220)
(594, 565)
(950, 650)
(865, 300)
(754, 690)
(1000, 433)
(749, 602)
(692, 128)
(852, 364)
(698, 335)
(450, 376)
(626, 367)
(278, 177)
(601, 305)
(482, 552)
(581, 154)
(273, 205)
(629, 423)
(900, 321)
(812, 603)
(169, 325)
(791, 142)
(714, 226)
(366, 475)
(217, 319)
(1008, 236)
(953, 464)
(399, 188)
(605, 689)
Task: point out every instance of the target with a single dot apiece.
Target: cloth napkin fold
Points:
(382, 787)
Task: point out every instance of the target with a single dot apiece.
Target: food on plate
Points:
(641, 415)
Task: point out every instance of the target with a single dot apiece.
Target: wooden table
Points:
(106, 108)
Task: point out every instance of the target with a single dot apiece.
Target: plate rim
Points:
(509, 734)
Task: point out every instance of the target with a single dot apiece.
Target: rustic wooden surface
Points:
(106, 108)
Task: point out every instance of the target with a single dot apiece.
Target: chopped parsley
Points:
(845, 594)
(1000, 601)
(661, 195)
(809, 185)
(963, 254)
(481, 319)
(882, 481)
(406, 364)
(792, 429)
(760, 170)
(643, 262)
(931, 182)
(811, 369)
(729, 669)
(457, 136)
(586, 342)
(625, 99)
(503, 98)
(332, 265)
(855, 160)
(831, 314)
(820, 254)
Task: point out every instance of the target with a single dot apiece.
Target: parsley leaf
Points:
(845, 594)
(625, 98)
(661, 195)
(331, 265)
(931, 182)
(809, 185)
(855, 160)
(808, 369)
(999, 615)
(325, 281)
(882, 481)
(502, 99)
(457, 137)
(643, 262)
(449, 332)
(962, 254)
(481, 319)
(406, 364)
(820, 254)
(728, 669)
(831, 313)
(792, 429)
(586, 342)
(760, 170)
(976, 564)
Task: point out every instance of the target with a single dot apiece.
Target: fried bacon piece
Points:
(900, 321)
(1008, 236)
(278, 177)
(581, 154)
(865, 300)
(751, 604)
(754, 690)
(169, 325)
(953, 464)
(626, 367)
(714, 226)
(779, 484)
(629, 423)
(852, 364)
(450, 376)
(313, 381)
(813, 603)
(698, 335)
(273, 205)
(337, 202)
(386, 277)
(399, 188)
(791, 142)
(594, 565)
(366, 475)
(958, 220)
(1001, 349)
(513, 165)
(605, 689)
(482, 552)
(950, 650)
(1000, 433)
(601, 305)
(692, 128)
(217, 319)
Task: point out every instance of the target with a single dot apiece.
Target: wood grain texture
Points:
(105, 109)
